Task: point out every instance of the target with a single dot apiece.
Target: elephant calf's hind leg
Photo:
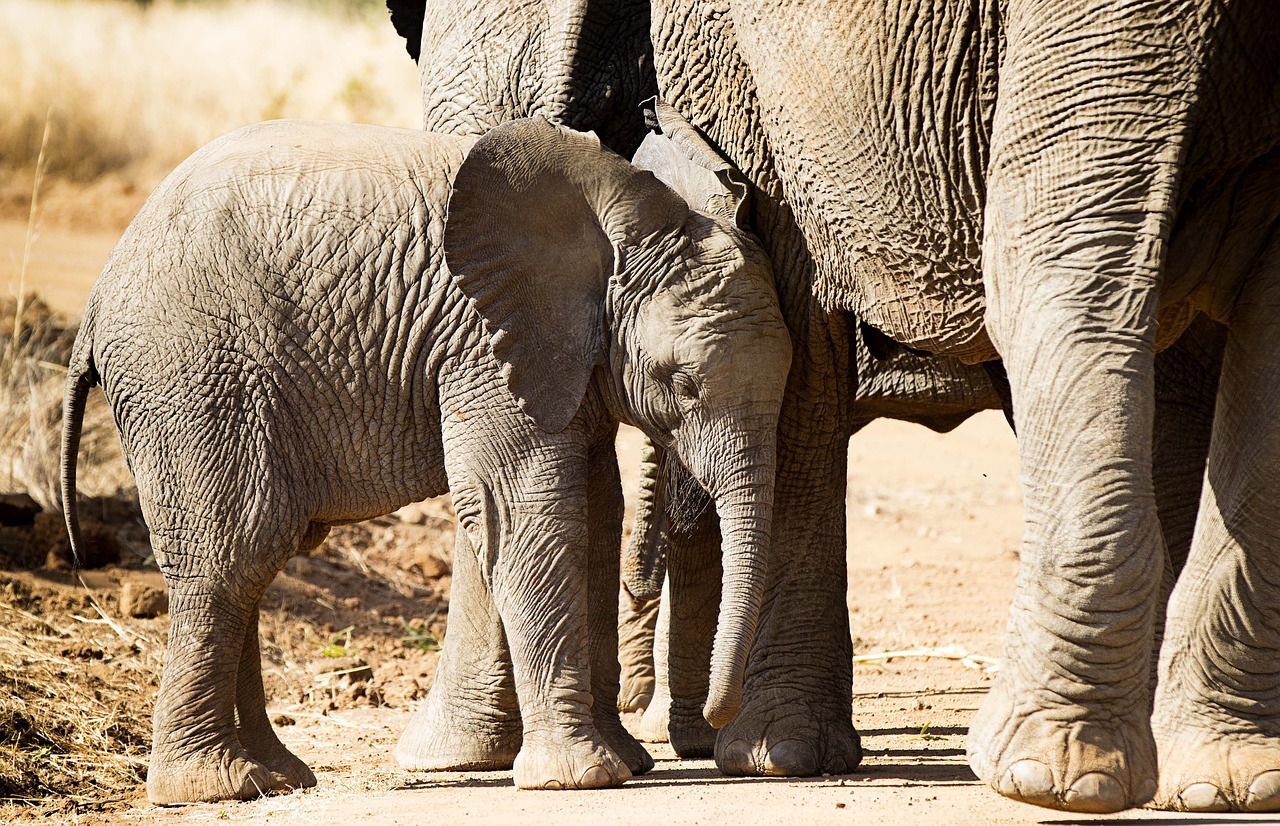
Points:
(196, 754)
(253, 726)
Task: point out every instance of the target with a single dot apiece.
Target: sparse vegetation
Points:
(131, 89)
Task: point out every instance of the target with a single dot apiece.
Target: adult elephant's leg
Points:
(656, 723)
(1080, 197)
(1217, 711)
(253, 727)
(471, 720)
(637, 630)
(643, 574)
(796, 717)
(604, 525)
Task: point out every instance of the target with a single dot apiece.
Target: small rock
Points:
(144, 601)
(83, 651)
(283, 720)
(352, 602)
(17, 509)
(431, 565)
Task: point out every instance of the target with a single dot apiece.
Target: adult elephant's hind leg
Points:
(254, 727)
(1217, 710)
(471, 720)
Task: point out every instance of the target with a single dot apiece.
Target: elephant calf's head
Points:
(576, 259)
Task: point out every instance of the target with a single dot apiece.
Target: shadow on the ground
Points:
(1157, 820)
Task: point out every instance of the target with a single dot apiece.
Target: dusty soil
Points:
(934, 524)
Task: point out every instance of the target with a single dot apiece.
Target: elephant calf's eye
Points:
(686, 385)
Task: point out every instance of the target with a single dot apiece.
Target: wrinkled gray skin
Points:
(284, 349)
(1065, 184)
(484, 63)
(935, 392)
(1186, 378)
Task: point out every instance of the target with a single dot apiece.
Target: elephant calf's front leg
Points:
(541, 591)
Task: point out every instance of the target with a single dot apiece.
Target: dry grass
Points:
(134, 89)
(75, 702)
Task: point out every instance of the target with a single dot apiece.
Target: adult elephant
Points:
(589, 66)
(1110, 166)
(1065, 185)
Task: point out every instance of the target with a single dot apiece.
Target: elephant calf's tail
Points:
(80, 377)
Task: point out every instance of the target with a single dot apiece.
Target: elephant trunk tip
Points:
(722, 705)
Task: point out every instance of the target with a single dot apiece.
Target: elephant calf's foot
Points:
(288, 772)
(577, 761)
(691, 736)
(206, 777)
(1060, 758)
(457, 744)
(788, 740)
(1202, 770)
(628, 748)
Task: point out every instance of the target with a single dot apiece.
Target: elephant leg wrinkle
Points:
(203, 761)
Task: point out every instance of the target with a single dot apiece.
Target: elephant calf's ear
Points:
(523, 244)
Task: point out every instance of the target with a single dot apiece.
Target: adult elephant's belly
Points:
(881, 132)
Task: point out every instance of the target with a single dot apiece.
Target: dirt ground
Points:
(934, 524)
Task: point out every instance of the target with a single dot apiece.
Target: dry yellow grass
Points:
(134, 88)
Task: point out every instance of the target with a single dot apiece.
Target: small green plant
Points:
(419, 636)
(339, 644)
(925, 735)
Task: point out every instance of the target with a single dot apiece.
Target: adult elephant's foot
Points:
(1206, 771)
(574, 760)
(440, 739)
(657, 716)
(788, 740)
(1060, 755)
(224, 772)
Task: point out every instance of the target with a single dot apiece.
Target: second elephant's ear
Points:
(679, 155)
(529, 238)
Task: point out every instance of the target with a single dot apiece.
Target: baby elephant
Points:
(292, 334)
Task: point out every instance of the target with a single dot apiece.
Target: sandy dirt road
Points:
(934, 524)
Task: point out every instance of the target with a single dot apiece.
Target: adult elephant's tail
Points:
(81, 376)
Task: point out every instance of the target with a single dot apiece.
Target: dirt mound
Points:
(356, 623)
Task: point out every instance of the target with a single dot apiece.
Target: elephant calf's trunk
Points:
(744, 523)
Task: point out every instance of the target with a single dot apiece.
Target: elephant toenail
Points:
(1030, 781)
(1147, 791)
(1203, 797)
(736, 758)
(1096, 793)
(791, 758)
(553, 786)
(1264, 793)
(594, 778)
